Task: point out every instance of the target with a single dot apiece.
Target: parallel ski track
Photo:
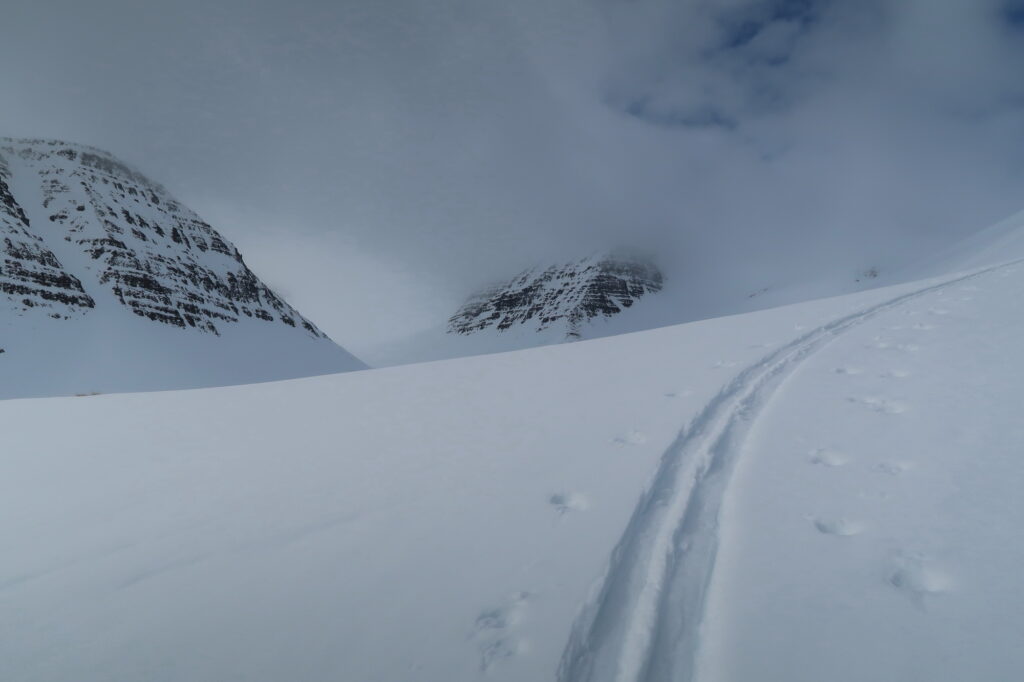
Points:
(643, 623)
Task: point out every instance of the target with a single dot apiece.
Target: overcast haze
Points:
(376, 160)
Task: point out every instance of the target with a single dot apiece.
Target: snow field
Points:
(897, 559)
(442, 521)
(826, 491)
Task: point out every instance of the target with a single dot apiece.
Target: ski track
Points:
(642, 622)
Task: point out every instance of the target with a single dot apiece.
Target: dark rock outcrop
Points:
(31, 276)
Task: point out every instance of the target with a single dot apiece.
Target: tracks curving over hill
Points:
(642, 623)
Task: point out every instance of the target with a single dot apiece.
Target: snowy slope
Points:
(879, 522)
(456, 520)
(998, 243)
(107, 283)
(541, 306)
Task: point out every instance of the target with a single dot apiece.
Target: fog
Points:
(377, 161)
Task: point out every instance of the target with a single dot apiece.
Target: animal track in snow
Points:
(916, 576)
(841, 527)
(893, 468)
(679, 394)
(634, 437)
(883, 405)
(494, 633)
(849, 371)
(653, 592)
(567, 502)
(829, 458)
(889, 345)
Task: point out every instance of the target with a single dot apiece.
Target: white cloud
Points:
(458, 140)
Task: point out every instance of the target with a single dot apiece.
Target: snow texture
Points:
(823, 491)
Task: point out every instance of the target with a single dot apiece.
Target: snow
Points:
(898, 559)
(57, 350)
(826, 490)
(688, 297)
(693, 293)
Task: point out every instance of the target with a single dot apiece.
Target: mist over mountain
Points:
(432, 147)
(683, 352)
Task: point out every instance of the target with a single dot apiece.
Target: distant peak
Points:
(565, 294)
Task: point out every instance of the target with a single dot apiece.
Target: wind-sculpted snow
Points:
(153, 255)
(570, 294)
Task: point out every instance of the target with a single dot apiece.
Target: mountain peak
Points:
(566, 295)
(153, 255)
(92, 248)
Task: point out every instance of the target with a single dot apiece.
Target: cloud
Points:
(415, 150)
(843, 126)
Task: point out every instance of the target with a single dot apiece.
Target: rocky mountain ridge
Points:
(31, 275)
(110, 284)
(567, 294)
(108, 232)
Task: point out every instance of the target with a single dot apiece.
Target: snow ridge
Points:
(642, 622)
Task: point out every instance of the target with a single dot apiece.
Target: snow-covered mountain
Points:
(619, 293)
(822, 491)
(554, 303)
(564, 297)
(109, 283)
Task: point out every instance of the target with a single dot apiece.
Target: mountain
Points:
(566, 301)
(565, 296)
(615, 293)
(109, 283)
(822, 491)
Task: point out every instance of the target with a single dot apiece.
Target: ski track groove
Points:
(641, 623)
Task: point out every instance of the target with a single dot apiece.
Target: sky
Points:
(376, 162)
